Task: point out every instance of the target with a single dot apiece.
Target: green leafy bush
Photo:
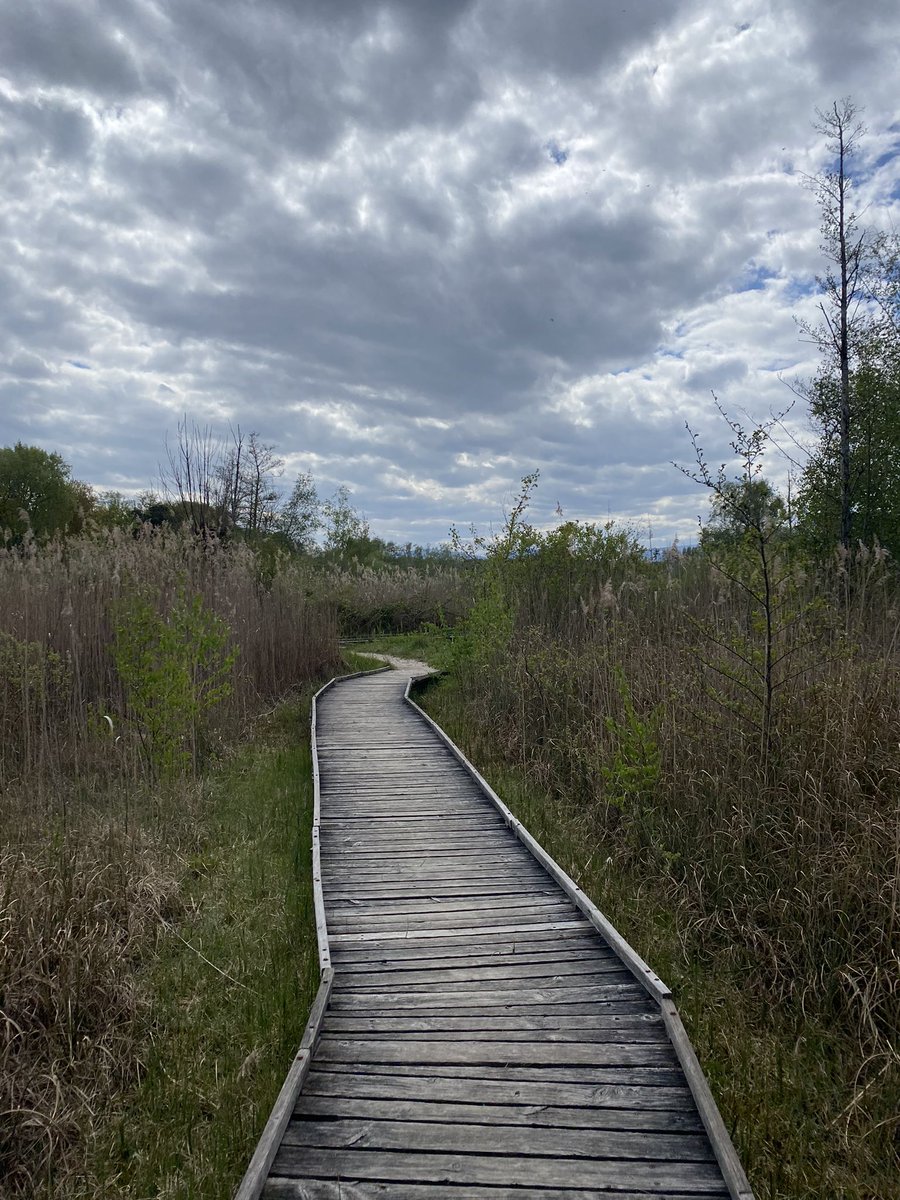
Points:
(175, 668)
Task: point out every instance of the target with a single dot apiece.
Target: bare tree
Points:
(261, 468)
(193, 478)
(845, 244)
(231, 476)
(221, 483)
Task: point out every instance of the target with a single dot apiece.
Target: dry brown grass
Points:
(98, 854)
(769, 890)
(79, 918)
(57, 633)
(395, 598)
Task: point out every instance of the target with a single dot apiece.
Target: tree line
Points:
(217, 486)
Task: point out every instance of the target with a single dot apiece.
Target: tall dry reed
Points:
(63, 707)
(97, 846)
(630, 696)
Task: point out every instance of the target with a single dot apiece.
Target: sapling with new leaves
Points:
(749, 545)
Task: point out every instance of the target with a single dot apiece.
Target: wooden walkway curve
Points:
(481, 1031)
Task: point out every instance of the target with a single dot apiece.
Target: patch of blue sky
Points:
(73, 362)
(799, 287)
(557, 153)
(755, 278)
(883, 159)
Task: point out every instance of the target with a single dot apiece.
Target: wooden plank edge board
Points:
(251, 1186)
(729, 1163)
(733, 1173)
(318, 897)
(640, 969)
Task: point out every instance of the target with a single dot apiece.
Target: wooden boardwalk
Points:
(481, 1031)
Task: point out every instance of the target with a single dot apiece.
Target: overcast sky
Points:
(423, 246)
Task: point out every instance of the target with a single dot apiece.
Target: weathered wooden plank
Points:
(426, 872)
(359, 850)
(371, 777)
(467, 1025)
(280, 1188)
(462, 931)
(612, 1092)
(619, 1076)
(538, 1115)
(580, 1037)
(398, 834)
(350, 985)
(484, 998)
(392, 964)
(378, 1134)
(402, 1167)
(489, 916)
(423, 903)
(417, 823)
(396, 1008)
(486, 946)
(376, 890)
(495, 1053)
(415, 950)
(390, 980)
(425, 881)
(498, 850)
(432, 911)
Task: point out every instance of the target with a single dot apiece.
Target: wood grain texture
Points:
(281, 1188)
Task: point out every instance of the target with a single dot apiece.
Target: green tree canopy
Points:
(300, 516)
(738, 505)
(874, 454)
(344, 524)
(37, 493)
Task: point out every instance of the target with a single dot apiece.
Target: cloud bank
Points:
(423, 248)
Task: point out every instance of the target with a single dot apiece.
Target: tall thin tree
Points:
(845, 245)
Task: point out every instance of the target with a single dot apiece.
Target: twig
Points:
(224, 974)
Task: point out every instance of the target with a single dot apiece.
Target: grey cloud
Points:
(52, 126)
(716, 377)
(574, 39)
(23, 365)
(67, 43)
(182, 187)
(847, 38)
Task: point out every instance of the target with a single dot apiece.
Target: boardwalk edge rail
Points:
(723, 1148)
(250, 1187)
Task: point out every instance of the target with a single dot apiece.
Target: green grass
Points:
(231, 986)
(354, 661)
(434, 647)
